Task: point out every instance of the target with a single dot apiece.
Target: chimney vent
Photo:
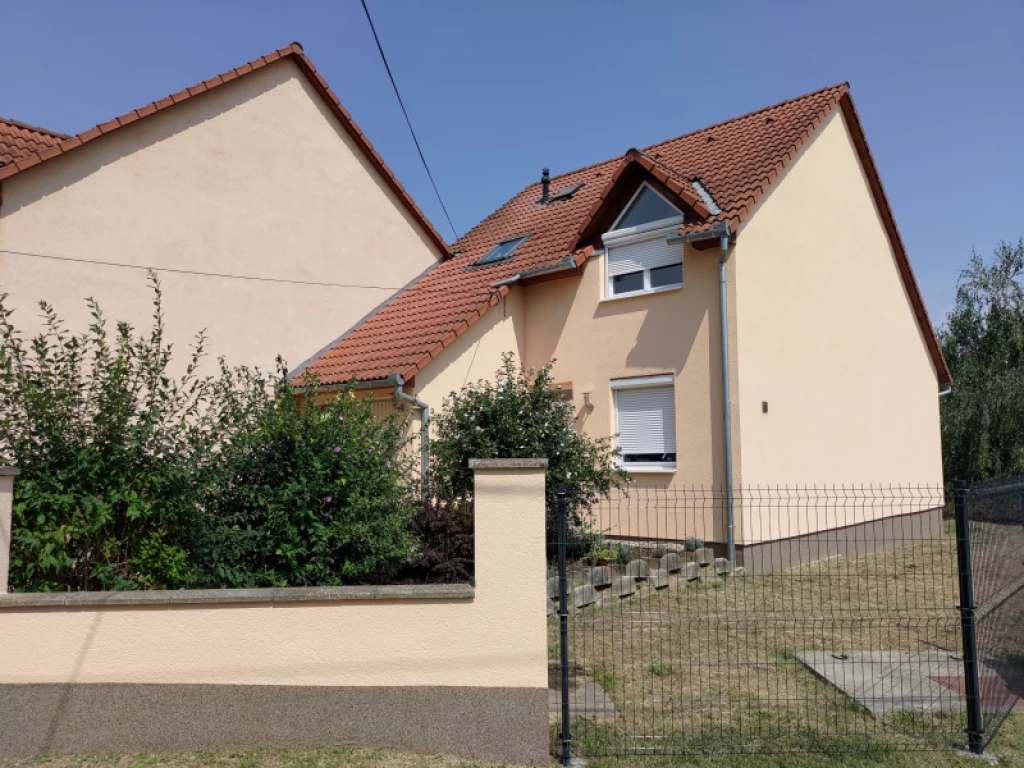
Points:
(545, 185)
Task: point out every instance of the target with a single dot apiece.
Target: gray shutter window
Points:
(646, 420)
(646, 254)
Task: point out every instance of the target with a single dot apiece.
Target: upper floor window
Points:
(638, 257)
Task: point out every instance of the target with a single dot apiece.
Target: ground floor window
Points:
(645, 423)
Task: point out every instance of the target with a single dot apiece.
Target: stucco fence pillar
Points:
(460, 669)
(7, 475)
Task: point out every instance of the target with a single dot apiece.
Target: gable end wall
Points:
(256, 177)
(827, 335)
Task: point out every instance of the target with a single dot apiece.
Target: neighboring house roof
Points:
(18, 140)
(735, 161)
(35, 146)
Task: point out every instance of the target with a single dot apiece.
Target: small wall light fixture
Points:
(764, 406)
(586, 402)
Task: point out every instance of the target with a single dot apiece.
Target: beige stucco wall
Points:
(676, 332)
(495, 639)
(476, 354)
(827, 336)
(255, 178)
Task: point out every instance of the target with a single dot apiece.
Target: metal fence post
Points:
(563, 625)
(972, 683)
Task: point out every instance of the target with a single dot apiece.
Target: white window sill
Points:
(635, 294)
(647, 469)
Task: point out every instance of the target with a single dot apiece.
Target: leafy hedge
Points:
(132, 478)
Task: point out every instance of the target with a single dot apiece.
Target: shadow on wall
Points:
(556, 315)
(680, 333)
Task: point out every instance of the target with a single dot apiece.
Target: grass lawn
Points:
(1008, 748)
(259, 758)
(708, 664)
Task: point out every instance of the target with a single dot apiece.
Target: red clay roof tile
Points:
(21, 145)
(736, 161)
(18, 140)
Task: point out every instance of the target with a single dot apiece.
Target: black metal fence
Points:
(994, 516)
(835, 627)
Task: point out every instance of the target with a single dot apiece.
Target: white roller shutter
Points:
(646, 419)
(645, 254)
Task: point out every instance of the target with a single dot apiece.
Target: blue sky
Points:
(498, 90)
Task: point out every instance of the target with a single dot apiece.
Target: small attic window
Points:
(501, 251)
(646, 207)
(565, 194)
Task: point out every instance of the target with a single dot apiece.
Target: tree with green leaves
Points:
(521, 415)
(983, 342)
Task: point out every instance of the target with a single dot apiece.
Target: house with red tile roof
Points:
(254, 194)
(735, 306)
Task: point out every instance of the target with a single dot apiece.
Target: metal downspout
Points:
(415, 402)
(721, 232)
(726, 396)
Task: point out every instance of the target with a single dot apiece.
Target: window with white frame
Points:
(638, 257)
(645, 423)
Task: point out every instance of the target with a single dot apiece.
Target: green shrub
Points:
(310, 496)
(521, 416)
(109, 447)
(134, 479)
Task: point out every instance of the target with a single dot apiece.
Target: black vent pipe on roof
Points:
(545, 185)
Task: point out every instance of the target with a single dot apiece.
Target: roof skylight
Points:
(565, 194)
(501, 251)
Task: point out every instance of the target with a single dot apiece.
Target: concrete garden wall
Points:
(434, 668)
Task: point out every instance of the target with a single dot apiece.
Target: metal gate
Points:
(845, 623)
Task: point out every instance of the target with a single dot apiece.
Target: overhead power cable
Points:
(227, 275)
(408, 122)
(201, 274)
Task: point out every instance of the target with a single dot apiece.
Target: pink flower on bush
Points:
(328, 499)
(337, 449)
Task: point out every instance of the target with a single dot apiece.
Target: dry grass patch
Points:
(713, 664)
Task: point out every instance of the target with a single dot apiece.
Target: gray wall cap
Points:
(507, 463)
(9, 471)
(208, 596)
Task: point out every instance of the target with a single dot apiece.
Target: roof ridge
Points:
(316, 80)
(844, 85)
(35, 128)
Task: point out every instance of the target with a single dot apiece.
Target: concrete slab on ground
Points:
(886, 682)
(586, 699)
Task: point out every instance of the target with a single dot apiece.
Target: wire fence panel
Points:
(996, 525)
(836, 627)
